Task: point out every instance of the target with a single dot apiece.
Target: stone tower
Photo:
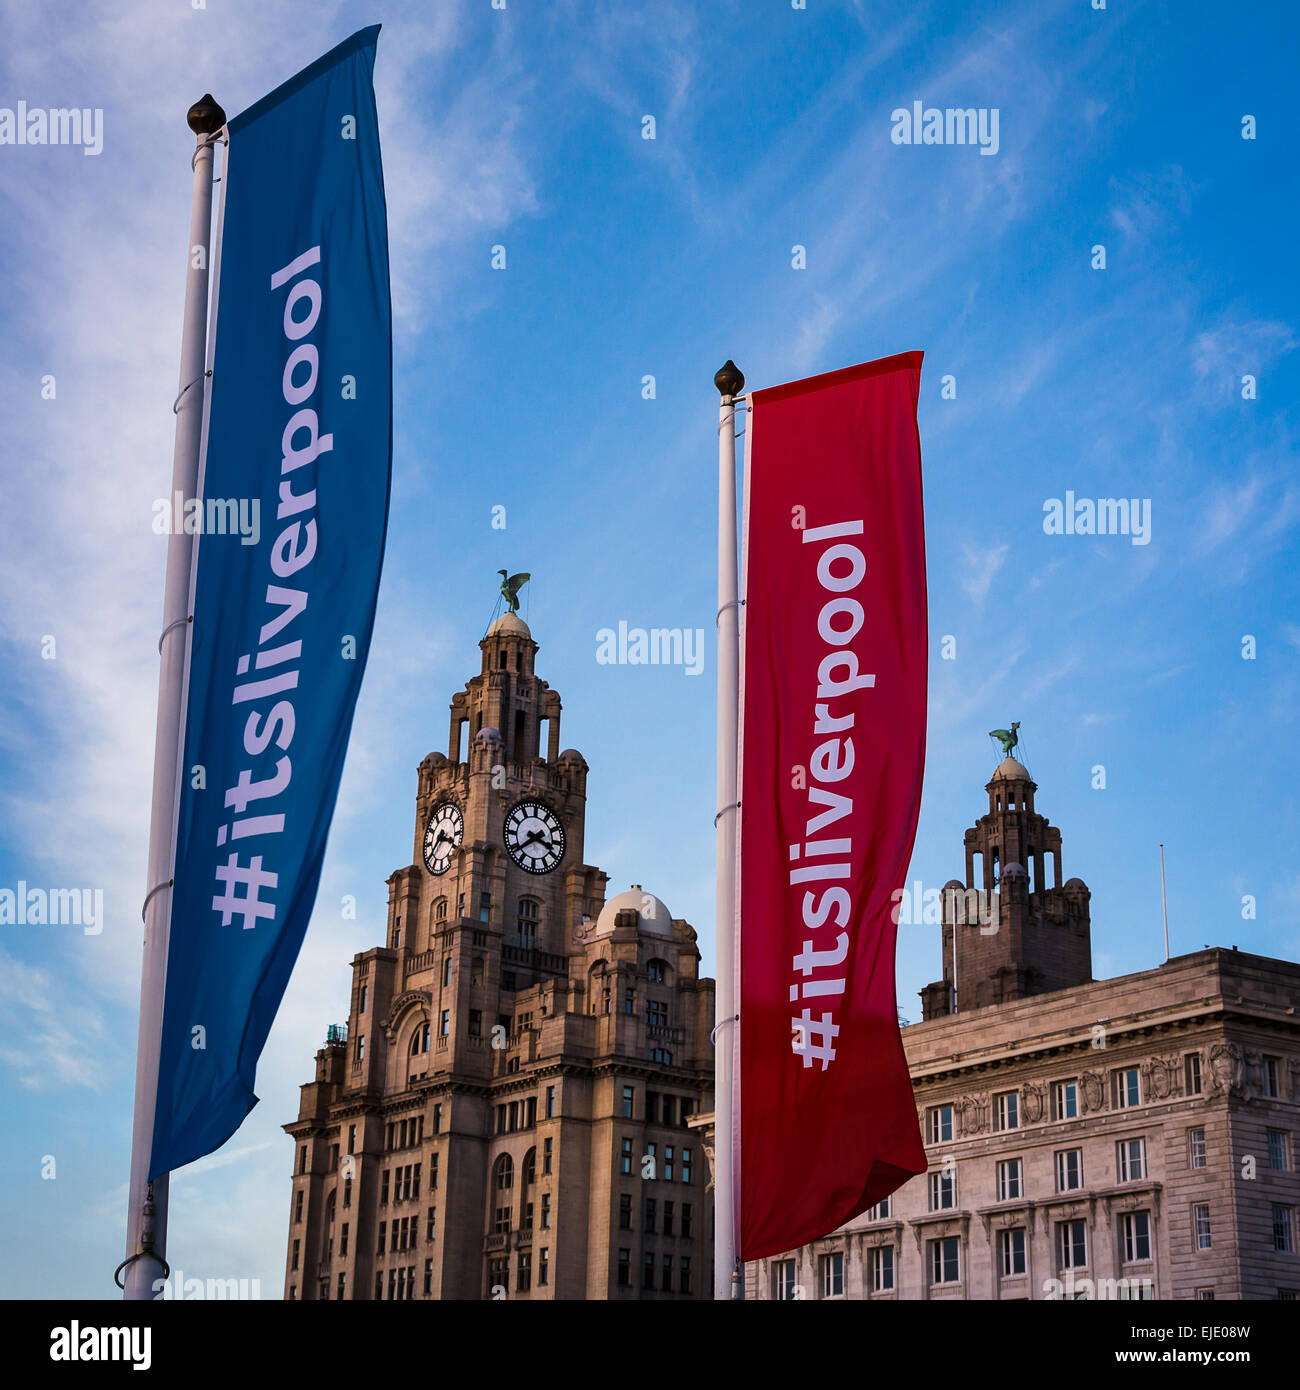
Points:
(507, 1113)
(1014, 936)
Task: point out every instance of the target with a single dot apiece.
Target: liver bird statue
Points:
(510, 588)
(1008, 738)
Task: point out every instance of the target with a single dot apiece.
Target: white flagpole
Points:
(727, 1282)
(146, 1232)
(1164, 904)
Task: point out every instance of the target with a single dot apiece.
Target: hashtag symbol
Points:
(812, 1038)
(250, 907)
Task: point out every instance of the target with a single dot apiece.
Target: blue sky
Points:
(522, 387)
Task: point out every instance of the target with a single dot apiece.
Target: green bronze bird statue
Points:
(1008, 738)
(510, 588)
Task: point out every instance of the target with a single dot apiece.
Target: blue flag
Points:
(299, 445)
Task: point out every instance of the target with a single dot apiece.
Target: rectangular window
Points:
(1131, 1160)
(302, 1159)
(629, 1101)
(431, 1223)
(686, 1165)
(297, 1206)
(1192, 1073)
(383, 1238)
(1136, 1231)
(686, 1221)
(668, 1163)
(629, 1000)
(383, 1188)
(882, 1268)
(524, 1275)
(296, 1244)
(546, 1211)
(881, 1211)
(625, 1156)
(667, 1273)
(550, 1102)
(1277, 1149)
(1072, 1244)
(1272, 1071)
(352, 1139)
(656, 1012)
(624, 1269)
(1010, 1180)
(1011, 1252)
(361, 1047)
(444, 1023)
(944, 1261)
(365, 995)
(1196, 1147)
(543, 1267)
(938, 1124)
(546, 1155)
(943, 1190)
(651, 1213)
(484, 906)
(668, 1218)
(476, 1023)
(1125, 1088)
(1201, 1225)
(783, 1280)
(437, 1118)
(1065, 1100)
(1282, 1232)
(501, 1221)
(343, 1239)
(624, 1212)
(669, 1116)
(832, 1275)
(684, 1275)
(648, 1270)
(1006, 1111)
(1205, 1295)
(428, 1278)
(343, 1284)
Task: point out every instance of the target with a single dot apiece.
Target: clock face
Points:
(534, 837)
(442, 837)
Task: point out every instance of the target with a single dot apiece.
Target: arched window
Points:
(440, 910)
(503, 1174)
(420, 1039)
(530, 915)
(329, 1208)
(529, 1173)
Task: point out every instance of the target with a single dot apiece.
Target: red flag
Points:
(833, 687)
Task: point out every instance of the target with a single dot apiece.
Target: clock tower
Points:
(506, 1113)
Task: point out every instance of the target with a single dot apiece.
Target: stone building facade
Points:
(1125, 1138)
(505, 1113)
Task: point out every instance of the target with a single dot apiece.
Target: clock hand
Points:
(537, 835)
